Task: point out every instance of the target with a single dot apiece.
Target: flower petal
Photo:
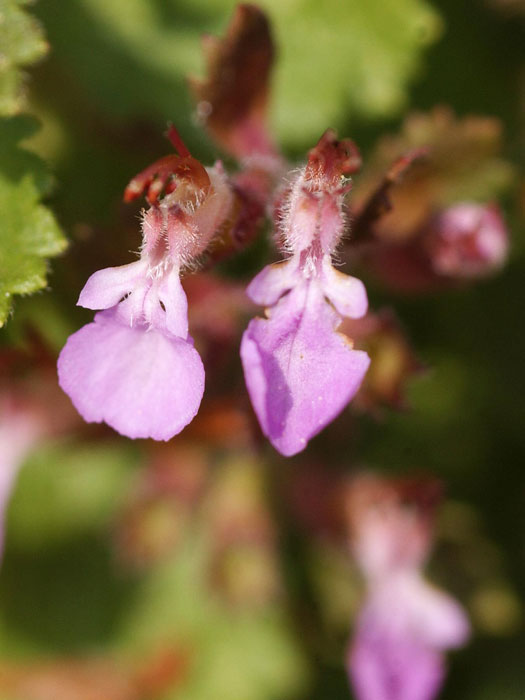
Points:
(299, 372)
(141, 382)
(387, 668)
(436, 617)
(402, 630)
(166, 306)
(347, 294)
(272, 282)
(105, 288)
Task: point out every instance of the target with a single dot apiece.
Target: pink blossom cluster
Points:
(135, 366)
(405, 625)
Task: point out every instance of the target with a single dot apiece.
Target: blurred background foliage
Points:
(151, 594)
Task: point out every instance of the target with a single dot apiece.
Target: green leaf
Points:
(235, 647)
(336, 59)
(21, 43)
(341, 59)
(65, 491)
(29, 232)
(249, 654)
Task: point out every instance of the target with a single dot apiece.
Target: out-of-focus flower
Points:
(135, 366)
(405, 624)
(299, 371)
(467, 240)
(461, 162)
(463, 242)
(425, 224)
(20, 429)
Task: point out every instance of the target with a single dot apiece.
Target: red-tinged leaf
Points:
(463, 164)
(379, 201)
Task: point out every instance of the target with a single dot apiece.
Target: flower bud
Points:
(467, 240)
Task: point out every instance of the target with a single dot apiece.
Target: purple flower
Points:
(299, 371)
(405, 624)
(403, 629)
(135, 366)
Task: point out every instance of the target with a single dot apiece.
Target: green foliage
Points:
(58, 589)
(239, 653)
(29, 232)
(65, 491)
(340, 58)
(60, 519)
(21, 43)
(334, 57)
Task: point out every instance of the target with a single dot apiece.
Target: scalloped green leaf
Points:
(21, 43)
(342, 59)
(335, 59)
(29, 233)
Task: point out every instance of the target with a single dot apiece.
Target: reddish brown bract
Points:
(232, 99)
(331, 160)
(164, 173)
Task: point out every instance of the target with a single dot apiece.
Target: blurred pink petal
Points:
(401, 630)
(405, 624)
(468, 240)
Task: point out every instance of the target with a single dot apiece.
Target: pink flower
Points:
(468, 240)
(299, 371)
(135, 366)
(405, 624)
